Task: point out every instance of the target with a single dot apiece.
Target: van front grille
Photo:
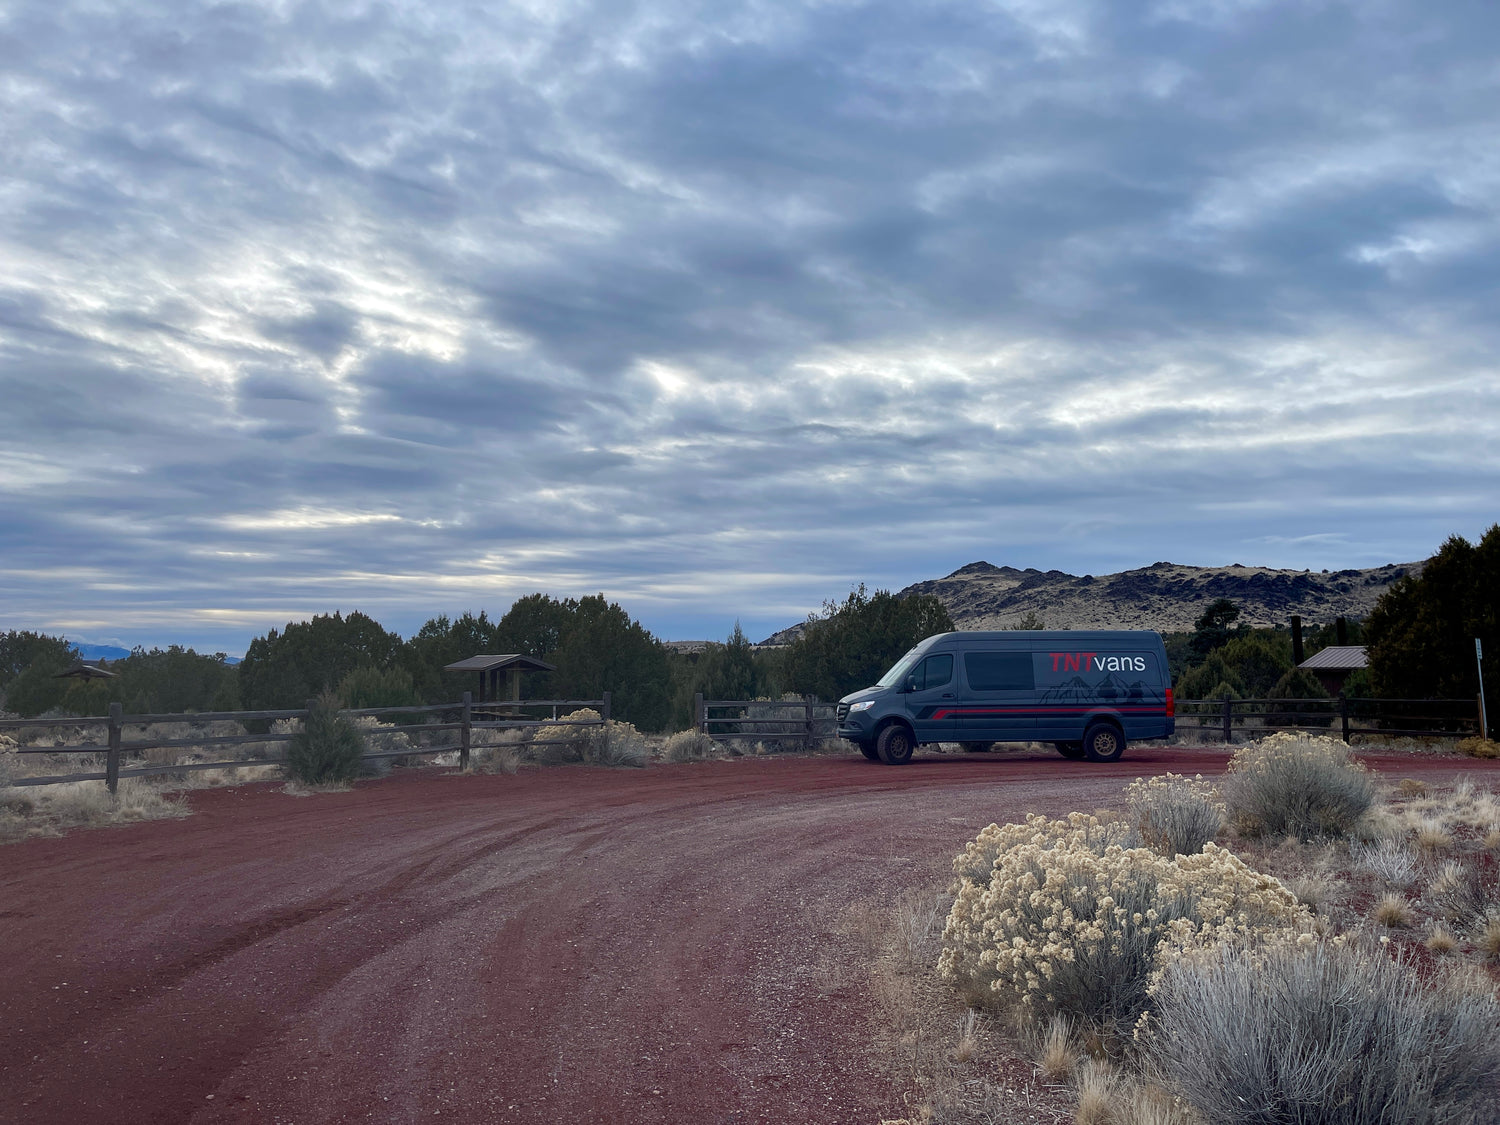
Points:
(842, 712)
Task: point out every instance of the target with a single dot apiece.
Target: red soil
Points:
(566, 945)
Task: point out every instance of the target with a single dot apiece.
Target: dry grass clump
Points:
(1393, 912)
(690, 746)
(1461, 895)
(1314, 890)
(1488, 940)
(1477, 747)
(1097, 1090)
(1068, 922)
(1433, 836)
(966, 1045)
(1307, 1030)
(1411, 787)
(50, 810)
(1441, 940)
(1059, 1055)
(1389, 860)
(1296, 784)
(1174, 815)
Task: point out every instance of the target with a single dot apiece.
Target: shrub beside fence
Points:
(765, 720)
(1415, 718)
(432, 720)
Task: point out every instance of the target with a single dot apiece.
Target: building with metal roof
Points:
(1333, 665)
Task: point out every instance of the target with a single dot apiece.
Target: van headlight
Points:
(865, 706)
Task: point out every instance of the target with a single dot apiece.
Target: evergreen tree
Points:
(441, 642)
(1421, 632)
(729, 670)
(855, 641)
(601, 649)
(1213, 628)
(287, 668)
(28, 664)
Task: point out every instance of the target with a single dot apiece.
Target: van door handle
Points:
(947, 695)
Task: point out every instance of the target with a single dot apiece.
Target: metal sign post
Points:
(1484, 727)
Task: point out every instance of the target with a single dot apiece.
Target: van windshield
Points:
(898, 670)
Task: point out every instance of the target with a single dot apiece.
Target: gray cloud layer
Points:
(719, 308)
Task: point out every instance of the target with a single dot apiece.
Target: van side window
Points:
(936, 671)
(999, 671)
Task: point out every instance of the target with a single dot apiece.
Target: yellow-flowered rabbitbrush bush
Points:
(1070, 921)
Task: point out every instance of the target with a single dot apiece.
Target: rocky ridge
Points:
(1164, 596)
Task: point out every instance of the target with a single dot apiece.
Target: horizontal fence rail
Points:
(763, 720)
(504, 715)
(1411, 718)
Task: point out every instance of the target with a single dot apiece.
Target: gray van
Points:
(1088, 693)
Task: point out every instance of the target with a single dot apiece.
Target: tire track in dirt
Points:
(563, 945)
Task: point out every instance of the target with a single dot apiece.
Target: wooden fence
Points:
(764, 720)
(1416, 718)
(467, 718)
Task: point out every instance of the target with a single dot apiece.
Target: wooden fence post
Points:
(1344, 713)
(465, 733)
(606, 726)
(112, 761)
(700, 713)
(807, 703)
(1228, 721)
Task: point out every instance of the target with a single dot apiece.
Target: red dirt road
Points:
(568, 945)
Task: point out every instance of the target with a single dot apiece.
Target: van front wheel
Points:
(895, 745)
(868, 750)
(1070, 750)
(1103, 742)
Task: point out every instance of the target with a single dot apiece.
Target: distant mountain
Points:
(115, 652)
(101, 652)
(1166, 597)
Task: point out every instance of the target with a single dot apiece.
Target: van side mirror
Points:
(910, 685)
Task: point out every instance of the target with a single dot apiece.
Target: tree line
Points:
(1420, 638)
(593, 643)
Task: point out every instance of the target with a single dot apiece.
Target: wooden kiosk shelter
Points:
(489, 669)
(84, 670)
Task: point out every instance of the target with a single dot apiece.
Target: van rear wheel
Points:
(1103, 742)
(895, 745)
(975, 747)
(1070, 750)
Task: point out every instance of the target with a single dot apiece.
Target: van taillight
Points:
(1171, 704)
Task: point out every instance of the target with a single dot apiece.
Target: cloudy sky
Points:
(719, 308)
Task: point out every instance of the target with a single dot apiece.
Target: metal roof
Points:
(1337, 658)
(83, 670)
(509, 660)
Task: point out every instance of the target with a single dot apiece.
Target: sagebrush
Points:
(1310, 1031)
(1173, 814)
(1293, 784)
